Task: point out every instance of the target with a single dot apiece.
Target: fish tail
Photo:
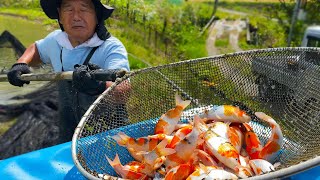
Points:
(200, 124)
(121, 138)
(115, 162)
(180, 102)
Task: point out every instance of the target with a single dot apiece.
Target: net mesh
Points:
(282, 82)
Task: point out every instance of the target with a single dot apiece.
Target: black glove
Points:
(90, 79)
(14, 75)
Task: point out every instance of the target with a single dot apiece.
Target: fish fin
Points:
(116, 160)
(180, 102)
(121, 138)
(141, 153)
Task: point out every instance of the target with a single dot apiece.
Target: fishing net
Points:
(281, 82)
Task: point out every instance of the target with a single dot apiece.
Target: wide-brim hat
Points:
(50, 8)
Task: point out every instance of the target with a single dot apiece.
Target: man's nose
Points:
(77, 15)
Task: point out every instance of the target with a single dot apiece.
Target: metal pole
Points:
(293, 21)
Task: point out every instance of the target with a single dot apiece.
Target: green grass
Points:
(4, 126)
(26, 31)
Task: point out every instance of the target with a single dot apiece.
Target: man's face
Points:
(78, 18)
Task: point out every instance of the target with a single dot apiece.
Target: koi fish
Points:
(252, 142)
(157, 156)
(167, 122)
(221, 174)
(261, 166)
(140, 144)
(271, 148)
(226, 113)
(201, 172)
(179, 172)
(221, 129)
(179, 135)
(204, 158)
(235, 137)
(184, 149)
(127, 171)
(222, 149)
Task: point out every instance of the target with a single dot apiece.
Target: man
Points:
(83, 45)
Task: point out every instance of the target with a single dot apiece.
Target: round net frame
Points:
(281, 82)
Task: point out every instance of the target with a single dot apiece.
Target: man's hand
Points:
(14, 75)
(91, 80)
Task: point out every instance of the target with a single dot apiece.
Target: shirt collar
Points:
(63, 40)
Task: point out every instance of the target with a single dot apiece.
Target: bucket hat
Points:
(50, 8)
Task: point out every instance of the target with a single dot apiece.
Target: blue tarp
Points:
(56, 163)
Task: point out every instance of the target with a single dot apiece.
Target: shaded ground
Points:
(36, 124)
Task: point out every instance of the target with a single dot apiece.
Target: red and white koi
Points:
(127, 171)
(167, 122)
(226, 113)
(270, 150)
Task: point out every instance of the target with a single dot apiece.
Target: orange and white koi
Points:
(201, 172)
(222, 149)
(221, 129)
(140, 144)
(127, 171)
(261, 166)
(167, 122)
(204, 158)
(235, 137)
(252, 142)
(226, 113)
(184, 149)
(270, 150)
(157, 156)
(179, 135)
(180, 172)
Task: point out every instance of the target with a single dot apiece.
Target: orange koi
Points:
(180, 172)
(167, 122)
(157, 156)
(226, 113)
(222, 149)
(252, 142)
(127, 171)
(270, 150)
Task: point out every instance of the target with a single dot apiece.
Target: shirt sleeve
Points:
(47, 46)
(117, 56)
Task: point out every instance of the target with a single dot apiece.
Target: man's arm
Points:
(30, 56)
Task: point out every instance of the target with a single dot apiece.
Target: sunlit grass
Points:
(26, 31)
